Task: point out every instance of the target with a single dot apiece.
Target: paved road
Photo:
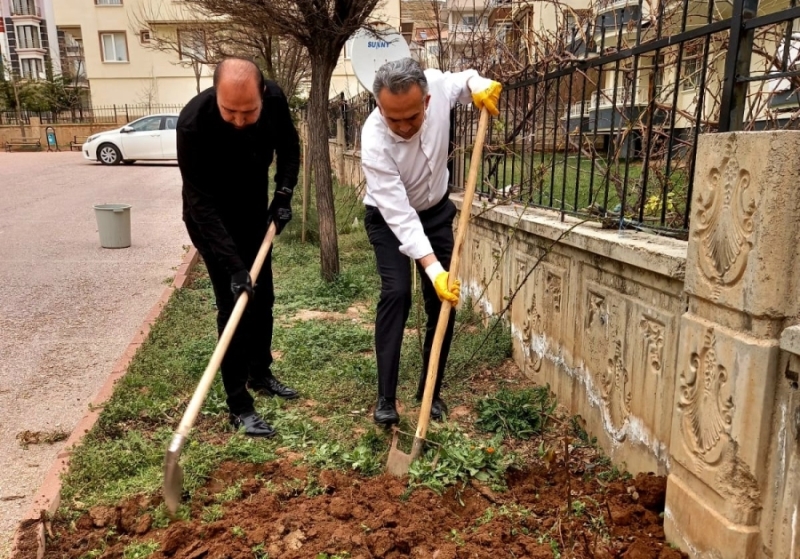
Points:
(68, 307)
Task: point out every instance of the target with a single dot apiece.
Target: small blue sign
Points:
(51, 138)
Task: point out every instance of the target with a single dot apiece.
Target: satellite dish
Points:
(371, 51)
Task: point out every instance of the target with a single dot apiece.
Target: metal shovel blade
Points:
(398, 462)
(173, 475)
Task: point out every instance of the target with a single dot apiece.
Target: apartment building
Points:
(108, 43)
(27, 33)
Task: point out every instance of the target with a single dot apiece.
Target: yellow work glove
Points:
(440, 278)
(485, 93)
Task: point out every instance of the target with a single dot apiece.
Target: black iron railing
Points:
(612, 136)
(353, 112)
(108, 114)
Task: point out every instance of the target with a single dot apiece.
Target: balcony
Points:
(460, 34)
(613, 14)
(22, 9)
(609, 111)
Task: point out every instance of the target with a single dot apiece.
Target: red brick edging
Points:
(49, 495)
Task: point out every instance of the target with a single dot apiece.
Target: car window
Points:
(171, 123)
(147, 124)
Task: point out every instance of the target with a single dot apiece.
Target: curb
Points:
(48, 498)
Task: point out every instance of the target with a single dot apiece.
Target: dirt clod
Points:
(176, 537)
(104, 517)
(652, 491)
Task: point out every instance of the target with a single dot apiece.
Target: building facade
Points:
(109, 44)
(27, 32)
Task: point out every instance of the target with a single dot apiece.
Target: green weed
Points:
(460, 459)
(140, 550)
(212, 513)
(520, 414)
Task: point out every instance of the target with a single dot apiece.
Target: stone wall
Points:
(594, 315)
(682, 358)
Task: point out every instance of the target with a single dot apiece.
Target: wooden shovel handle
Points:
(444, 313)
(215, 362)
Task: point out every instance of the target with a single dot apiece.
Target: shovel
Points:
(398, 461)
(173, 475)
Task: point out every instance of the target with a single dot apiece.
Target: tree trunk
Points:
(321, 73)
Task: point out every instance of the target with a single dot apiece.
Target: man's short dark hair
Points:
(220, 69)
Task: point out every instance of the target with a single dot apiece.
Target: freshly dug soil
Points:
(377, 518)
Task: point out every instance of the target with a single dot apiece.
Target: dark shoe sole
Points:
(269, 393)
(386, 423)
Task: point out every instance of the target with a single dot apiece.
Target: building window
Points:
(115, 48)
(144, 37)
(32, 68)
(28, 37)
(108, 2)
(692, 66)
(192, 45)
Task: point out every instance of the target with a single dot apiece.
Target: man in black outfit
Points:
(226, 138)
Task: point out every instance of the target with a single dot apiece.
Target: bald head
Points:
(238, 85)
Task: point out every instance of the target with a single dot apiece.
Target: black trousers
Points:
(249, 354)
(394, 303)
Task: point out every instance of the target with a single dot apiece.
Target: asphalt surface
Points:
(69, 308)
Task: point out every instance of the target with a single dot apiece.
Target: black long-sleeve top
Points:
(225, 174)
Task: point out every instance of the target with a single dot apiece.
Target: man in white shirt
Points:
(404, 151)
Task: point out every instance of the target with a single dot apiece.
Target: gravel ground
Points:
(68, 308)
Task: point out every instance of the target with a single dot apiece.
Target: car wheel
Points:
(128, 161)
(109, 154)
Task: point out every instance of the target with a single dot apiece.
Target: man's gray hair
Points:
(398, 76)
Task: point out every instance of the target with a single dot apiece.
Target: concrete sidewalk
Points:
(68, 307)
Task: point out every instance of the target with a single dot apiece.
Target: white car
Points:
(149, 138)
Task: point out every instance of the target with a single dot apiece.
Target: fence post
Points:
(306, 180)
(341, 145)
(737, 67)
(127, 115)
(115, 114)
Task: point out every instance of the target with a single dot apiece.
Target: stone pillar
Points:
(36, 130)
(742, 282)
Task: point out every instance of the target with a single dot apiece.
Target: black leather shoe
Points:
(438, 407)
(254, 425)
(386, 413)
(270, 386)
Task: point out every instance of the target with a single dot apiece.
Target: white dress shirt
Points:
(408, 176)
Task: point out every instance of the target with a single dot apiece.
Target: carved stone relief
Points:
(616, 390)
(653, 331)
(595, 310)
(552, 289)
(532, 325)
(706, 412)
(724, 222)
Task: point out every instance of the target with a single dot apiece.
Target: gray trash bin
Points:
(114, 225)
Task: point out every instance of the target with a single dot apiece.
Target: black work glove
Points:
(240, 281)
(280, 210)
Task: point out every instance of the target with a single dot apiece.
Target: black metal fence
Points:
(109, 114)
(611, 134)
(353, 112)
